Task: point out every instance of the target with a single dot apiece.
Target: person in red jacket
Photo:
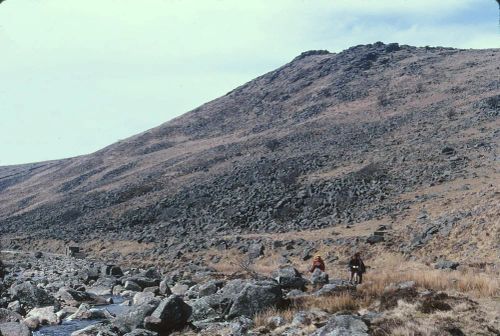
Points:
(317, 263)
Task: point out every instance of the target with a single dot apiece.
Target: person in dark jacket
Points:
(317, 263)
(357, 268)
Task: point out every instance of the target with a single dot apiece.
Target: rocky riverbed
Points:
(46, 294)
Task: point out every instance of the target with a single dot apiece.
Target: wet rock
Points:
(99, 329)
(145, 297)
(141, 332)
(86, 312)
(45, 315)
(74, 298)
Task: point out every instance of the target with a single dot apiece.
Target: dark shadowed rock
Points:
(31, 296)
(374, 239)
(171, 314)
(9, 316)
(446, 264)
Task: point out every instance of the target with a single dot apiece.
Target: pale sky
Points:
(76, 76)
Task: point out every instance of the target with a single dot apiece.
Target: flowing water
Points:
(67, 327)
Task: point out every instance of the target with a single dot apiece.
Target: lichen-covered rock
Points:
(343, 325)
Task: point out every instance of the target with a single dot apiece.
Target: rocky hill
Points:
(382, 133)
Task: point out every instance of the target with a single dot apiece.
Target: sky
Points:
(76, 76)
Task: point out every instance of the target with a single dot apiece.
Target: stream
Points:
(67, 327)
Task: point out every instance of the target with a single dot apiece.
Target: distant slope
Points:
(327, 139)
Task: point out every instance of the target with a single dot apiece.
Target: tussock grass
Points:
(477, 284)
(331, 304)
(260, 319)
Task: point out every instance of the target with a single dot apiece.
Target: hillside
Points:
(375, 135)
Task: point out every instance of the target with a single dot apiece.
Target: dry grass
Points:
(330, 304)
(477, 284)
(261, 318)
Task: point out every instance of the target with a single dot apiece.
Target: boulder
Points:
(446, 264)
(143, 282)
(179, 289)
(210, 288)
(343, 325)
(256, 297)
(86, 312)
(100, 290)
(374, 239)
(319, 278)
(141, 332)
(111, 270)
(15, 306)
(334, 288)
(202, 310)
(151, 273)
(14, 329)
(134, 318)
(9, 316)
(132, 286)
(31, 296)
(145, 297)
(289, 278)
(164, 288)
(74, 298)
(155, 290)
(255, 250)
(171, 314)
(45, 315)
(99, 329)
